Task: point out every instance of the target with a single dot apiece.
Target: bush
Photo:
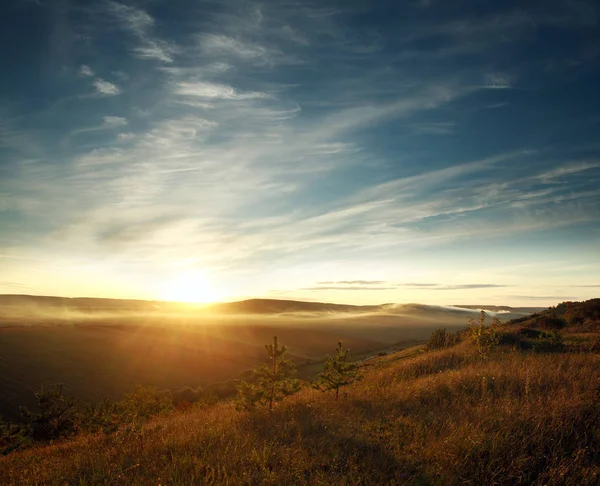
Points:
(56, 416)
(187, 394)
(145, 402)
(441, 339)
(13, 437)
(224, 389)
(551, 322)
(484, 338)
(595, 345)
(531, 333)
(103, 415)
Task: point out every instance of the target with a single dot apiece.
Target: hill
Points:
(571, 314)
(104, 347)
(17, 306)
(274, 306)
(523, 415)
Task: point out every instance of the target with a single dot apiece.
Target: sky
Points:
(344, 151)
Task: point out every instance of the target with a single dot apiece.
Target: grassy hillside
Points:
(99, 347)
(528, 414)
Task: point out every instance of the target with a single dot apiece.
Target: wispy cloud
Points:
(106, 88)
(347, 287)
(219, 45)
(114, 121)
(419, 285)
(85, 70)
(14, 286)
(139, 23)
(427, 286)
(161, 51)
(135, 19)
(264, 133)
(498, 81)
(216, 91)
(353, 282)
(434, 128)
(549, 298)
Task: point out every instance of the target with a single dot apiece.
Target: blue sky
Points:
(350, 151)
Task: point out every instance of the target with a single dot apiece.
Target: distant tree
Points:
(271, 382)
(339, 371)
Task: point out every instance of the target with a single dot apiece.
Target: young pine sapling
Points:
(339, 371)
(271, 382)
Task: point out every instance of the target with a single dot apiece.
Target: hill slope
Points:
(445, 417)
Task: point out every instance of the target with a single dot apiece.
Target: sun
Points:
(190, 286)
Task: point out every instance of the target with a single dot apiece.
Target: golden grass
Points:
(439, 418)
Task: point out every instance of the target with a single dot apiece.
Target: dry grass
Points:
(443, 418)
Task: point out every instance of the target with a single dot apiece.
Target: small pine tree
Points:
(56, 417)
(339, 371)
(271, 382)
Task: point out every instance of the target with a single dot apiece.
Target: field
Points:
(99, 347)
(525, 414)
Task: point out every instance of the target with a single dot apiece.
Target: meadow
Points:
(526, 413)
(103, 347)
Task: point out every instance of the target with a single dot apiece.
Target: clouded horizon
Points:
(344, 151)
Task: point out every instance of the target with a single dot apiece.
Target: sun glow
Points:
(188, 287)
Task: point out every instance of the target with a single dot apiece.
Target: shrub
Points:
(56, 415)
(187, 394)
(224, 389)
(483, 337)
(13, 437)
(531, 333)
(441, 339)
(103, 415)
(146, 401)
(594, 346)
(551, 322)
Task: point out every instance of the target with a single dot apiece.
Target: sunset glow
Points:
(188, 287)
(360, 152)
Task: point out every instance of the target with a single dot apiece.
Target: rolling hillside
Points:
(522, 416)
(104, 347)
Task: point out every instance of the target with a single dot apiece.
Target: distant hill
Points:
(75, 303)
(503, 308)
(276, 306)
(571, 314)
(14, 304)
